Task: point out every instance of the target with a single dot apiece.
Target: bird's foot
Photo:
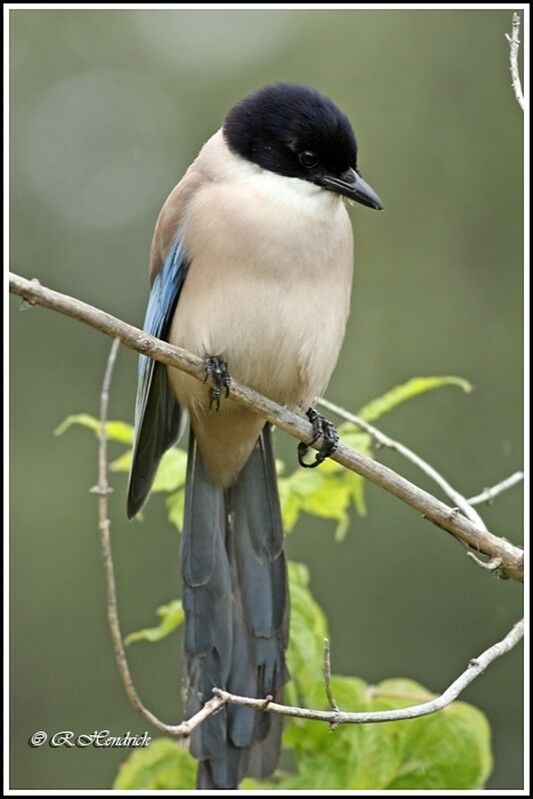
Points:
(322, 428)
(216, 370)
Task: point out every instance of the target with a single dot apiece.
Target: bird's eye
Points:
(308, 159)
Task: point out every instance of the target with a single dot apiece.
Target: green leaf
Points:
(417, 385)
(449, 750)
(171, 617)
(352, 436)
(356, 488)
(116, 431)
(329, 759)
(171, 471)
(290, 504)
(164, 764)
(122, 463)
(324, 493)
(249, 784)
(175, 507)
(308, 629)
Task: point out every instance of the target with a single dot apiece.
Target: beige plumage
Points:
(268, 289)
(251, 264)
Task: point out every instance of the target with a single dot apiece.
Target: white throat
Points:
(293, 193)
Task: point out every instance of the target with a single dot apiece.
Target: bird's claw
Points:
(322, 428)
(216, 370)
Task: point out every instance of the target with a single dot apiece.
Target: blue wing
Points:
(158, 416)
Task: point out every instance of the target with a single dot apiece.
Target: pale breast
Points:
(268, 286)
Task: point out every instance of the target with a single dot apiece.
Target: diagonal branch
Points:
(488, 495)
(443, 516)
(423, 465)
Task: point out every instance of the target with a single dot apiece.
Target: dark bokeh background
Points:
(108, 109)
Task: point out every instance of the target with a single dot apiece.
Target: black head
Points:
(297, 132)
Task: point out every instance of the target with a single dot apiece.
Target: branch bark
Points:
(443, 516)
(488, 495)
(475, 667)
(514, 46)
(335, 716)
(385, 441)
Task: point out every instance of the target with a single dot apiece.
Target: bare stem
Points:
(334, 716)
(407, 453)
(327, 680)
(488, 495)
(475, 667)
(514, 46)
(102, 490)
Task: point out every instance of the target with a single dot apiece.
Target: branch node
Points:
(327, 682)
(490, 496)
(267, 700)
(463, 527)
(27, 303)
(334, 724)
(101, 490)
(493, 565)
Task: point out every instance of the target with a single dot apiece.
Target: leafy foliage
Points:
(163, 765)
(171, 617)
(116, 431)
(328, 492)
(417, 385)
(449, 750)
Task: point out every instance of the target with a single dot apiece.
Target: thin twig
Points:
(488, 495)
(494, 565)
(374, 691)
(427, 505)
(103, 490)
(327, 680)
(475, 667)
(423, 465)
(334, 717)
(514, 46)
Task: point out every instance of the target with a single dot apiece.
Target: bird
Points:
(251, 270)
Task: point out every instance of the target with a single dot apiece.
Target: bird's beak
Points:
(351, 184)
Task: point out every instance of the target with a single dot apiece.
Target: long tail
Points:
(236, 603)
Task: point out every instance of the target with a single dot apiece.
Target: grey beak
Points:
(351, 184)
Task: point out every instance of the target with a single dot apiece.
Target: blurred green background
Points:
(107, 110)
